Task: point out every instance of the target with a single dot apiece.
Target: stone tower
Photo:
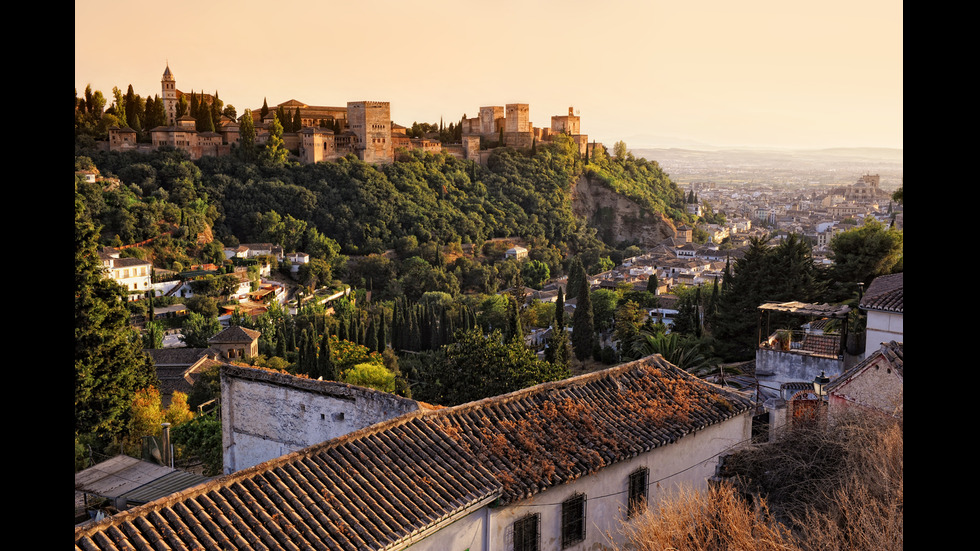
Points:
(169, 96)
(371, 122)
(518, 118)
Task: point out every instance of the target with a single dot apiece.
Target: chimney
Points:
(570, 112)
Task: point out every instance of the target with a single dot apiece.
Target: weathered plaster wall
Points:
(266, 414)
(778, 366)
(883, 327)
(689, 462)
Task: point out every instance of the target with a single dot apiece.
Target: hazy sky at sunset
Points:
(652, 73)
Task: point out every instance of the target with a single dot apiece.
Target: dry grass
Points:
(819, 489)
(716, 520)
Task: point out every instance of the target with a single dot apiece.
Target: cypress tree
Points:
(445, 331)
(353, 332)
(311, 362)
(653, 283)
(371, 341)
(382, 333)
(327, 369)
(576, 274)
(301, 366)
(265, 108)
(415, 330)
(425, 328)
(514, 329)
(583, 325)
(557, 351)
(280, 342)
(560, 310)
(397, 326)
(216, 110)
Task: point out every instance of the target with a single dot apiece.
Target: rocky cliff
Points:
(616, 217)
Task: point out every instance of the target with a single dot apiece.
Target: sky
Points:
(653, 73)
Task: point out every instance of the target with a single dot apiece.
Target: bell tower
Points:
(169, 96)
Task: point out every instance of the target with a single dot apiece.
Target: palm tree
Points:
(691, 355)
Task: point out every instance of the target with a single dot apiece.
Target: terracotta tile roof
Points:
(367, 490)
(385, 484)
(557, 432)
(179, 357)
(235, 334)
(824, 345)
(885, 293)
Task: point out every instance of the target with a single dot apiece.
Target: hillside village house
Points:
(558, 465)
(132, 273)
(875, 384)
(178, 369)
(885, 304)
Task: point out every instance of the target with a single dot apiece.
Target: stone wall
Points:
(266, 414)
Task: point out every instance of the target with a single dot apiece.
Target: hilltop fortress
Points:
(362, 128)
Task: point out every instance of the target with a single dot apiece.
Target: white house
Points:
(558, 465)
(518, 252)
(131, 273)
(884, 303)
(296, 260)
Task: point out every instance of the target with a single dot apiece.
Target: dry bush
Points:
(715, 520)
(864, 508)
(821, 488)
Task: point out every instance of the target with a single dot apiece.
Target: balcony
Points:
(790, 354)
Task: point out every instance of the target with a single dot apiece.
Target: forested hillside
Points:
(356, 208)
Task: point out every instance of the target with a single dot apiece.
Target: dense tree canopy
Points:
(764, 274)
(110, 365)
(479, 366)
(866, 252)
